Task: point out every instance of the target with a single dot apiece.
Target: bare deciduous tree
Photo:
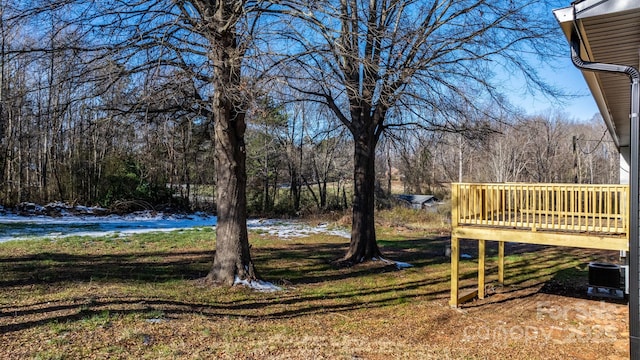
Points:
(191, 50)
(369, 60)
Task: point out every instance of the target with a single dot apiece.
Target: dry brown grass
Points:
(137, 298)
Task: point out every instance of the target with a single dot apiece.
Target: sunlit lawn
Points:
(138, 297)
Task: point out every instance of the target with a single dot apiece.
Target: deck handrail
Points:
(559, 207)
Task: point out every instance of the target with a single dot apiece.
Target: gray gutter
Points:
(590, 8)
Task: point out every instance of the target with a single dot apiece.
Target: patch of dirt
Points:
(548, 326)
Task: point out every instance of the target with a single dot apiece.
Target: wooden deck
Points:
(574, 215)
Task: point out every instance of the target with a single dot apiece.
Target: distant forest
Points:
(88, 125)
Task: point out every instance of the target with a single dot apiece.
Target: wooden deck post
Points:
(501, 262)
(455, 276)
(455, 246)
(481, 252)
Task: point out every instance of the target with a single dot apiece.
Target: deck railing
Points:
(558, 207)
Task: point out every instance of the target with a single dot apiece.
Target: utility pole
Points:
(460, 159)
(575, 160)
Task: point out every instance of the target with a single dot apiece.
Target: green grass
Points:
(94, 297)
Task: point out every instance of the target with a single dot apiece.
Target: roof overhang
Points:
(609, 31)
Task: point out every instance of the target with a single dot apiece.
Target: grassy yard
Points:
(138, 297)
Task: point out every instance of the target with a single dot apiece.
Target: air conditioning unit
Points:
(604, 280)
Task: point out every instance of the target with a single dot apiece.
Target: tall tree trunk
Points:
(389, 172)
(265, 191)
(294, 190)
(232, 259)
(363, 245)
(321, 183)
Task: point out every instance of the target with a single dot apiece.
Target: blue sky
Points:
(568, 78)
(562, 74)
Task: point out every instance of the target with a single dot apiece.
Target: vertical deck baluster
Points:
(503, 197)
(477, 204)
(599, 196)
(485, 197)
(565, 203)
(580, 208)
(593, 208)
(476, 214)
(608, 211)
(570, 207)
(534, 194)
(491, 197)
(467, 202)
(615, 211)
(498, 209)
(546, 206)
(510, 210)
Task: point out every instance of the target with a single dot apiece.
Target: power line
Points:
(604, 133)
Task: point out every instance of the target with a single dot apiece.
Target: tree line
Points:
(296, 153)
(113, 100)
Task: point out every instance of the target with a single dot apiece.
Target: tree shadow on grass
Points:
(316, 286)
(308, 264)
(312, 264)
(544, 270)
(171, 309)
(278, 306)
(295, 263)
(51, 268)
